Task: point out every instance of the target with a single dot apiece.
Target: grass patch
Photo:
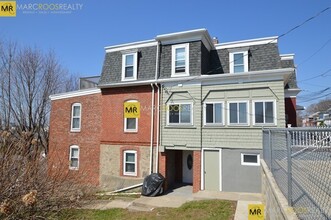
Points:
(203, 209)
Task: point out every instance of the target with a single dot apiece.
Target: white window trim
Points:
(187, 60)
(125, 121)
(135, 163)
(179, 124)
(274, 112)
(205, 113)
(72, 117)
(231, 59)
(247, 113)
(70, 157)
(248, 163)
(135, 66)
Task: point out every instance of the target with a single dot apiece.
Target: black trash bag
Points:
(152, 185)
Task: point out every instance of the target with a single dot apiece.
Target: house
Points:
(202, 107)
(322, 118)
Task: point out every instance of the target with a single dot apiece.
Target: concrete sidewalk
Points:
(179, 196)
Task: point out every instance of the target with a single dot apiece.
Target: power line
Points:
(316, 52)
(324, 74)
(280, 36)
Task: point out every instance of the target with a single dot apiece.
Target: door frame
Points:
(203, 167)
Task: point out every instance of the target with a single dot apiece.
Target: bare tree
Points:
(30, 77)
(320, 106)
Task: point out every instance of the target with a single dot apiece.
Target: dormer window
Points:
(238, 61)
(129, 66)
(180, 60)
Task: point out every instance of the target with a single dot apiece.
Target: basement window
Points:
(250, 159)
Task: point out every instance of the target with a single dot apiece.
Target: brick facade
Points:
(113, 117)
(88, 139)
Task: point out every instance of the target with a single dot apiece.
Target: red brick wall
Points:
(88, 139)
(196, 171)
(290, 111)
(113, 117)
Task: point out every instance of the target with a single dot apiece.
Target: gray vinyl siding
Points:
(241, 136)
(194, 62)
(112, 67)
(237, 177)
(181, 136)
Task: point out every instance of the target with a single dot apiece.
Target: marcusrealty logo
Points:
(49, 8)
(7, 8)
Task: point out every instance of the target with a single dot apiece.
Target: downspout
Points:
(157, 108)
(152, 132)
(157, 128)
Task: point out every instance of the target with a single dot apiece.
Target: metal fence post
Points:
(270, 148)
(289, 168)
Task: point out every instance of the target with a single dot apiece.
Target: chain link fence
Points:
(300, 161)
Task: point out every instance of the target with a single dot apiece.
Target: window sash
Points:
(180, 114)
(74, 157)
(214, 113)
(264, 112)
(76, 117)
(129, 68)
(238, 113)
(130, 163)
(250, 159)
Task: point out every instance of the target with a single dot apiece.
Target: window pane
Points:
(185, 113)
(242, 113)
(74, 152)
(131, 123)
(269, 112)
(233, 113)
(258, 112)
(218, 113)
(209, 113)
(75, 122)
(76, 111)
(129, 60)
(250, 158)
(238, 58)
(180, 54)
(238, 69)
(129, 167)
(173, 113)
(128, 71)
(74, 162)
(130, 157)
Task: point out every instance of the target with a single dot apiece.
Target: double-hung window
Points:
(76, 111)
(180, 60)
(74, 157)
(129, 66)
(180, 114)
(264, 112)
(213, 113)
(130, 163)
(131, 124)
(239, 61)
(238, 113)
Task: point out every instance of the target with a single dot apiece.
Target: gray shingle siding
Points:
(112, 67)
(205, 60)
(264, 57)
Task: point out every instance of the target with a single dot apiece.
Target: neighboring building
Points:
(318, 119)
(203, 106)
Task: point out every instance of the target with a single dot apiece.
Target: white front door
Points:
(188, 167)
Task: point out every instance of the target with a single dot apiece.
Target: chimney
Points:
(215, 40)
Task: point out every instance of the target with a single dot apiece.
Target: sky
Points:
(79, 34)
